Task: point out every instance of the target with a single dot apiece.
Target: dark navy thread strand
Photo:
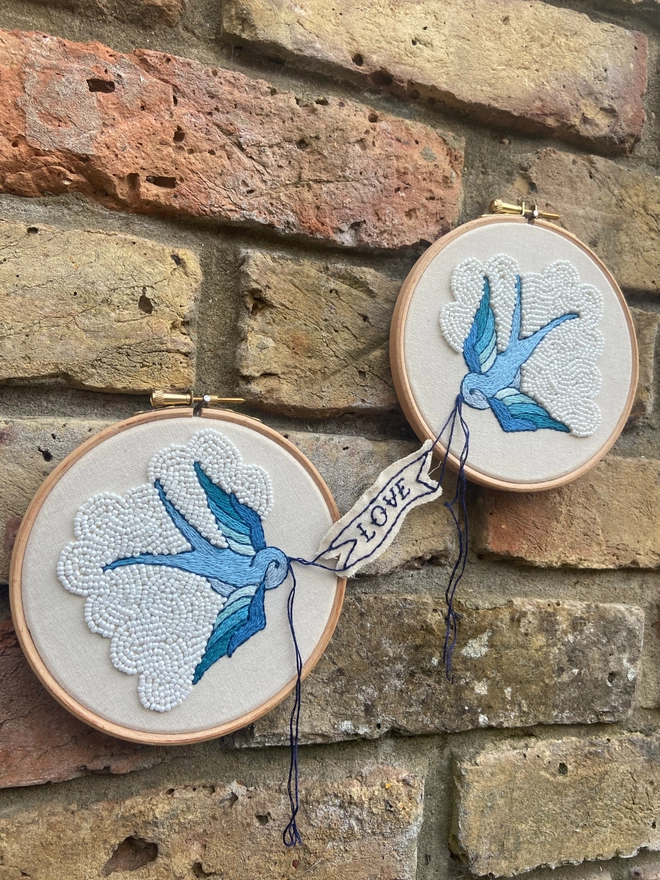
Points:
(458, 509)
(291, 835)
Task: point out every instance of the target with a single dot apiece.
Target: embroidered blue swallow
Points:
(494, 378)
(242, 572)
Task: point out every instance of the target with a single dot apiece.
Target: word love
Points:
(370, 526)
(378, 514)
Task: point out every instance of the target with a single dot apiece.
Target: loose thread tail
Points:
(291, 836)
(458, 510)
(457, 507)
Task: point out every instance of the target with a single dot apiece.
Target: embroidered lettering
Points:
(368, 537)
(391, 498)
(403, 491)
(400, 487)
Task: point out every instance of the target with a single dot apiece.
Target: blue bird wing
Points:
(189, 532)
(240, 525)
(516, 411)
(480, 346)
(516, 318)
(241, 617)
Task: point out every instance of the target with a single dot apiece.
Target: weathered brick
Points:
(427, 532)
(42, 742)
(359, 828)
(648, 689)
(529, 662)
(315, 336)
(646, 330)
(29, 450)
(150, 132)
(645, 871)
(145, 12)
(327, 354)
(96, 309)
(584, 81)
(609, 518)
(556, 802)
(611, 208)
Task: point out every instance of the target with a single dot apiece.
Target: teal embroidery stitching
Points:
(530, 343)
(175, 571)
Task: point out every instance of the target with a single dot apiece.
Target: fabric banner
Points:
(370, 526)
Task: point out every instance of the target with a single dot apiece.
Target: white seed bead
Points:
(158, 618)
(561, 374)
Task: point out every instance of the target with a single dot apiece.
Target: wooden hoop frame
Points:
(402, 385)
(16, 575)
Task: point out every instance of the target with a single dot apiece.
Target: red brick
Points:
(42, 742)
(609, 518)
(521, 64)
(159, 134)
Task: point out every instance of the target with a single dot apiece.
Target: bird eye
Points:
(473, 390)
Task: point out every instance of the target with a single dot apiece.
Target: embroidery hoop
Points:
(207, 418)
(404, 382)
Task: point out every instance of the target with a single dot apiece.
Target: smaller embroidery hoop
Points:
(28, 645)
(405, 391)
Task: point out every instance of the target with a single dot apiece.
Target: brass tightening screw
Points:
(530, 212)
(161, 399)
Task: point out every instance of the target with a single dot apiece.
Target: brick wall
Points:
(211, 175)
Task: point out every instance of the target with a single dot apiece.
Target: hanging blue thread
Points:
(457, 507)
(291, 835)
(458, 510)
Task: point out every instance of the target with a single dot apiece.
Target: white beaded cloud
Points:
(561, 374)
(158, 619)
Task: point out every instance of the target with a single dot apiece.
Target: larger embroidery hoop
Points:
(74, 663)
(428, 369)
